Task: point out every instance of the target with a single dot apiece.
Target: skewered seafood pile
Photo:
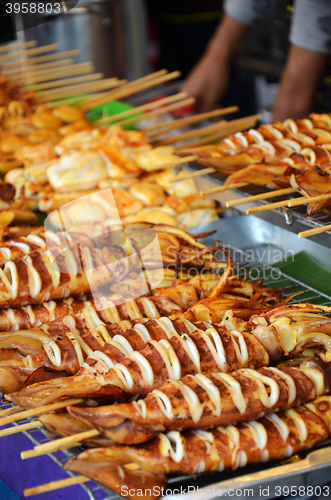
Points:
(55, 157)
(290, 157)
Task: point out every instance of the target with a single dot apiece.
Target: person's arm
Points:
(208, 80)
(300, 78)
(311, 43)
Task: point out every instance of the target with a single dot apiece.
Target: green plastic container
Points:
(109, 109)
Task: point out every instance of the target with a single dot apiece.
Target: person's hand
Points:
(207, 82)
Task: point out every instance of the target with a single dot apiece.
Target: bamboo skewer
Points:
(180, 161)
(23, 45)
(42, 59)
(258, 197)
(312, 232)
(148, 77)
(182, 136)
(163, 128)
(55, 485)
(225, 187)
(159, 111)
(67, 81)
(57, 73)
(216, 127)
(20, 428)
(138, 109)
(190, 175)
(129, 90)
(51, 95)
(34, 412)
(304, 200)
(62, 443)
(209, 139)
(10, 411)
(265, 208)
(36, 72)
(76, 100)
(289, 203)
(30, 52)
(38, 67)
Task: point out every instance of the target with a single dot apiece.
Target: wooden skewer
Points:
(261, 196)
(23, 45)
(25, 74)
(182, 136)
(36, 72)
(265, 208)
(81, 88)
(186, 159)
(42, 59)
(76, 101)
(163, 128)
(34, 412)
(190, 175)
(225, 187)
(66, 442)
(317, 230)
(129, 90)
(30, 52)
(20, 428)
(138, 109)
(148, 77)
(143, 80)
(52, 74)
(67, 81)
(10, 411)
(24, 69)
(308, 199)
(209, 139)
(55, 485)
(159, 111)
(221, 125)
(46, 76)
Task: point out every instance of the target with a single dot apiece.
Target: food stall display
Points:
(206, 370)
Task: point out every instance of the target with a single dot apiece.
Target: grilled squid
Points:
(269, 143)
(208, 400)
(38, 277)
(295, 329)
(137, 469)
(33, 316)
(142, 358)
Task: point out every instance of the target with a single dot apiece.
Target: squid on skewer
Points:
(33, 316)
(269, 143)
(314, 182)
(209, 400)
(271, 337)
(142, 470)
(143, 357)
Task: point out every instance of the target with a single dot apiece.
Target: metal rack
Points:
(256, 475)
(294, 219)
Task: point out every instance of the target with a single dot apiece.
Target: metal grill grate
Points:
(294, 214)
(97, 492)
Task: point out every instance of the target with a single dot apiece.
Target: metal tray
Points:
(241, 234)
